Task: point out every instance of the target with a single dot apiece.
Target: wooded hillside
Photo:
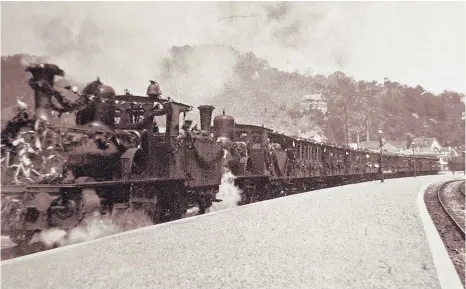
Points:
(260, 94)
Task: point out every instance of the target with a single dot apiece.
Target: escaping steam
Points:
(97, 226)
(228, 193)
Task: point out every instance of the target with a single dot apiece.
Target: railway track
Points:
(12, 251)
(452, 203)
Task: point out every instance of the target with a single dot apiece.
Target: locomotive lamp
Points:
(381, 157)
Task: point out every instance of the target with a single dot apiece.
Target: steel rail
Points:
(443, 204)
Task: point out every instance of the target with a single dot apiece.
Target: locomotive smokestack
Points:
(42, 77)
(206, 116)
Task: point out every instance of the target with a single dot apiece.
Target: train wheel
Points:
(199, 208)
(21, 237)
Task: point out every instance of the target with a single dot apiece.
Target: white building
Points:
(316, 136)
(311, 102)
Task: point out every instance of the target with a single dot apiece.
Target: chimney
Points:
(43, 73)
(206, 116)
(367, 129)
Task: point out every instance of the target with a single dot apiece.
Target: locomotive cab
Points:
(157, 123)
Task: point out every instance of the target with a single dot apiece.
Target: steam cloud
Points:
(97, 226)
(94, 227)
(228, 193)
(126, 44)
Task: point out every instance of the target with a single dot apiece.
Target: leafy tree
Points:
(261, 91)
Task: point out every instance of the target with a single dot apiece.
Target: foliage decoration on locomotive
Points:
(129, 152)
(125, 151)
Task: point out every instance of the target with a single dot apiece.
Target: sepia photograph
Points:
(233, 144)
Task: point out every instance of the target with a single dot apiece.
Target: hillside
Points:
(256, 93)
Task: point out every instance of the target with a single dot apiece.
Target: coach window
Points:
(256, 139)
(243, 136)
(117, 116)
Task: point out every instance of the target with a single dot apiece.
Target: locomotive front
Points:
(40, 155)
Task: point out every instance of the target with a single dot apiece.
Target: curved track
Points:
(447, 205)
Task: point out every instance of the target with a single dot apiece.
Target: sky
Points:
(409, 42)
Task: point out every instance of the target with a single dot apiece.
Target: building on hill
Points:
(314, 135)
(401, 145)
(390, 146)
(431, 147)
(313, 102)
(353, 146)
(424, 145)
(375, 146)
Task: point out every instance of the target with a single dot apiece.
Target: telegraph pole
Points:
(346, 127)
(381, 155)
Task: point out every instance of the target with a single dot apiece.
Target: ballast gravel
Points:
(366, 235)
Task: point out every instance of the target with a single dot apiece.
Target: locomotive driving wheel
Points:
(21, 237)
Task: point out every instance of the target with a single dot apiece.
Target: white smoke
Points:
(228, 193)
(94, 227)
(361, 39)
(97, 226)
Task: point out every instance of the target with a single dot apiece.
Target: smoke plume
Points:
(126, 43)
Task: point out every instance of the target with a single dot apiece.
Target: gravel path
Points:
(366, 235)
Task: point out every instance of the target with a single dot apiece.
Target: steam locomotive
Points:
(130, 152)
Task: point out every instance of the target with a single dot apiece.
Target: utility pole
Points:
(366, 120)
(357, 138)
(381, 155)
(414, 161)
(346, 127)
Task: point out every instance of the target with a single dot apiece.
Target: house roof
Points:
(400, 144)
(375, 145)
(313, 134)
(369, 145)
(424, 141)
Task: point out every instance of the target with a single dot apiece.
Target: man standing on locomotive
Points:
(154, 93)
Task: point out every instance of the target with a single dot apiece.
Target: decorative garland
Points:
(67, 106)
(206, 164)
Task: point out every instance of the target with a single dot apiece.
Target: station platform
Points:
(366, 235)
